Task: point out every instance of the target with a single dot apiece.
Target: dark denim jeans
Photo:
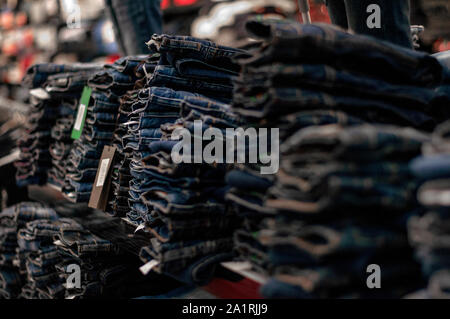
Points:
(134, 23)
(355, 143)
(167, 76)
(212, 56)
(37, 74)
(271, 102)
(333, 81)
(395, 19)
(325, 44)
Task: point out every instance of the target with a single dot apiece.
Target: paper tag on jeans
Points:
(102, 184)
(148, 266)
(140, 227)
(102, 172)
(81, 113)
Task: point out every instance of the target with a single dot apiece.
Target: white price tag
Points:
(102, 173)
(148, 266)
(80, 116)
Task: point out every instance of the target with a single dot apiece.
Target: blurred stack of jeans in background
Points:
(48, 106)
(65, 88)
(310, 67)
(10, 278)
(429, 231)
(35, 159)
(13, 259)
(13, 117)
(101, 121)
(341, 202)
(304, 225)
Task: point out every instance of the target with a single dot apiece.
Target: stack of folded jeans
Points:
(187, 64)
(191, 223)
(340, 204)
(319, 85)
(101, 121)
(430, 230)
(54, 90)
(13, 259)
(118, 200)
(153, 107)
(195, 65)
(66, 88)
(41, 257)
(35, 159)
(40, 250)
(182, 205)
(310, 67)
(106, 270)
(10, 278)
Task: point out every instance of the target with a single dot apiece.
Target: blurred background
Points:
(64, 31)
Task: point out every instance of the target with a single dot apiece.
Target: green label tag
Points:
(81, 114)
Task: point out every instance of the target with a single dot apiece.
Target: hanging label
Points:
(81, 113)
(102, 172)
(102, 184)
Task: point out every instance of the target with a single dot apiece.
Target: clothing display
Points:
(344, 191)
(107, 85)
(312, 156)
(54, 93)
(182, 204)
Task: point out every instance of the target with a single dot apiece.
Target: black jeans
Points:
(135, 21)
(395, 18)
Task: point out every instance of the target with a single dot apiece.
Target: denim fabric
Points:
(103, 125)
(113, 80)
(160, 99)
(370, 142)
(444, 60)
(132, 64)
(133, 22)
(395, 21)
(175, 48)
(166, 76)
(66, 85)
(281, 101)
(44, 152)
(325, 44)
(174, 257)
(201, 271)
(431, 167)
(328, 79)
(37, 74)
